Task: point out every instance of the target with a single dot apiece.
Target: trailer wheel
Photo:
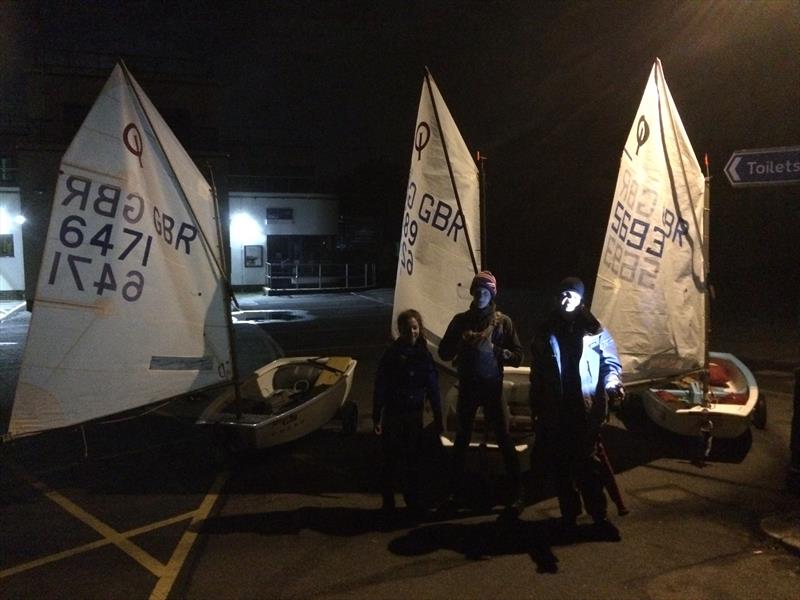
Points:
(349, 417)
(760, 412)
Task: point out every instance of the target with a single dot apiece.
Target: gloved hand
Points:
(616, 395)
(471, 337)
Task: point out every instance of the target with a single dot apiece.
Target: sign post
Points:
(764, 166)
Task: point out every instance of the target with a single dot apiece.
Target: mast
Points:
(709, 290)
(481, 159)
(228, 298)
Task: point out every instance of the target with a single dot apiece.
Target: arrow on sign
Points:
(764, 166)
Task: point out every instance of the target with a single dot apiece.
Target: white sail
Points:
(439, 241)
(129, 306)
(650, 288)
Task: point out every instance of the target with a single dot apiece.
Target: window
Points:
(280, 214)
(253, 256)
(6, 244)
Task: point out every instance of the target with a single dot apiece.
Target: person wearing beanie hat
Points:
(480, 342)
(575, 371)
(572, 284)
(484, 279)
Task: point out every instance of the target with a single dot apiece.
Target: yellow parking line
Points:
(92, 545)
(53, 558)
(111, 534)
(173, 567)
(166, 573)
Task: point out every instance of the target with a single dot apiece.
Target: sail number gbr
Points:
(409, 237)
(110, 257)
(638, 232)
(428, 211)
(71, 235)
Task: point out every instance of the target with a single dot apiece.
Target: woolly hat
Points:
(572, 284)
(484, 279)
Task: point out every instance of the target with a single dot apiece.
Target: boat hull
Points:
(516, 408)
(276, 408)
(728, 414)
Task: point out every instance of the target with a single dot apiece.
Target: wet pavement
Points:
(301, 522)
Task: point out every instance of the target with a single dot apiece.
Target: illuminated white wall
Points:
(312, 214)
(12, 269)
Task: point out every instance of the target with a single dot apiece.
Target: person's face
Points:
(569, 301)
(482, 297)
(410, 331)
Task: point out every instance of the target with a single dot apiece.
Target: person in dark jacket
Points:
(406, 377)
(575, 370)
(480, 342)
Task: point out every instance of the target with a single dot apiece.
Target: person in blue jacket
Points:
(480, 342)
(406, 377)
(575, 371)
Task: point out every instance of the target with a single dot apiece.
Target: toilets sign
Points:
(764, 166)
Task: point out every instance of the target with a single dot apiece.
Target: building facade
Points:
(282, 214)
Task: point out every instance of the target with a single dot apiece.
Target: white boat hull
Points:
(679, 408)
(277, 407)
(516, 406)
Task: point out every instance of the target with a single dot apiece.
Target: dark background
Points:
(546, 90)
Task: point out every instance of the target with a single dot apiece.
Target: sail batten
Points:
(651, 283)
(439, 252)
(127, 274)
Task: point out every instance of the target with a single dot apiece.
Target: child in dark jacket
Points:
(406, 376)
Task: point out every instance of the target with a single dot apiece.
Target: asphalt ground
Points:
(147, 506)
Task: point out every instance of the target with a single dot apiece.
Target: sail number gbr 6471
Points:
(101, 242)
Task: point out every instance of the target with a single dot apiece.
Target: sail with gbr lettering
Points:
(440, 237)
(130, 306)
(651, 284)
(440, 253)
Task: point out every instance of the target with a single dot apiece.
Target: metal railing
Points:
(319, 276)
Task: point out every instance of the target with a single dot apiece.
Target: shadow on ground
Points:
(504, 535)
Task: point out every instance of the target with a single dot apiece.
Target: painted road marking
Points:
(378, 300)
(108, 532)
(173, 567)
(167, 574)
(92, 545)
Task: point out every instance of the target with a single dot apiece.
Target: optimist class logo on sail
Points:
(101, 241)
(424, 213)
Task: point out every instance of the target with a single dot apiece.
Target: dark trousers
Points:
(576, 472)
(402, 437)
(488, 395)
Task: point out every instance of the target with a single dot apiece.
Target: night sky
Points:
(547, 90)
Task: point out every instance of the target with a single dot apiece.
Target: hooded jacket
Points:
(598, 369)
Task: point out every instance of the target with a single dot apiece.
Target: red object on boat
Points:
(718, 374)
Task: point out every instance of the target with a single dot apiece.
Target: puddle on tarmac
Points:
(269, 316)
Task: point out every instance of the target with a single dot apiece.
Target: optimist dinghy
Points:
(131, 302)
(285, 400)
(652, 288)
(132, 305)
